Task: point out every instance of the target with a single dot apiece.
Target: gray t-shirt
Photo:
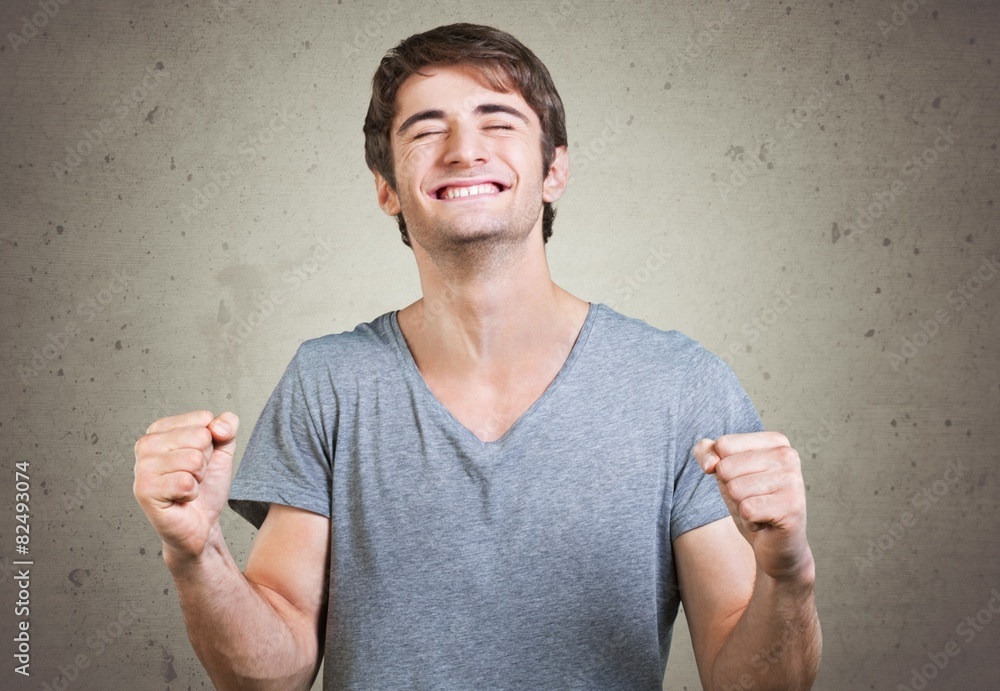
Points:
(541, 560)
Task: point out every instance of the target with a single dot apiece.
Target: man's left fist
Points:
(760, 479)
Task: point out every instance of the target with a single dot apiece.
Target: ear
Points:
(557, 177)
(387, 198)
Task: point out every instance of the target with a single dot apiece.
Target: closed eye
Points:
(491, 127)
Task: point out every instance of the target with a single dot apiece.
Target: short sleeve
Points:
(287, 458)
(713, 403)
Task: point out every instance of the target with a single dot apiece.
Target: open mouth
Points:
(450, 192)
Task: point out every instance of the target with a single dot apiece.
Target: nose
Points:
(465, 146)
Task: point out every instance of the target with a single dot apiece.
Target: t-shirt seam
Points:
(310, 491)
(690, 522)
(309, 412)
(309, 497)
(680, 414)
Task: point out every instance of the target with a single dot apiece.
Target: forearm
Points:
(777, 643)
(247, 637)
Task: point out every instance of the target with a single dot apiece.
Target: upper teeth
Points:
(452, 192)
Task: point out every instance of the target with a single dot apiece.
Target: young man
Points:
(499, 485)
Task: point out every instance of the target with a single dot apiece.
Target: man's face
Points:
(468, 163)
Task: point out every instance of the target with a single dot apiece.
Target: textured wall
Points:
(806, 188)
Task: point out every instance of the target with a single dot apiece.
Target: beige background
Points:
(228, 167)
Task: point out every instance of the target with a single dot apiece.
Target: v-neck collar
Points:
(413, 372)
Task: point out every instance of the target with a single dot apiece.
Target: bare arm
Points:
(779, 635)
(748, 631)
(261, 629)
(747, 582)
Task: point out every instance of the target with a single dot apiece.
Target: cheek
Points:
(412, 163)
(528, 162)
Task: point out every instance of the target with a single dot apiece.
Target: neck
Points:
(492, 323)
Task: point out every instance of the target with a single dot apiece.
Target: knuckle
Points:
(724, 445)
(203, 437)
(723, 470)
(186, 483)
(736, 491)
(787, 455)
(775, 485)
(193, 458)
(140, 488)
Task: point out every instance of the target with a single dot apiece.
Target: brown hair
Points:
(503, 62)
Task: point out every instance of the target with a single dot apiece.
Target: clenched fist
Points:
(760, 478)
(183, 471)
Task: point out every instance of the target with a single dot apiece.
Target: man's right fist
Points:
(183, 470)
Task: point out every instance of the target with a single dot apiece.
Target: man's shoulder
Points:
(641, 340)
(367, 344)
(700, 377)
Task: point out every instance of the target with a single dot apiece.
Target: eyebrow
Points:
(481, 109)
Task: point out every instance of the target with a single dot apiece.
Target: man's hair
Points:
(503, 62)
